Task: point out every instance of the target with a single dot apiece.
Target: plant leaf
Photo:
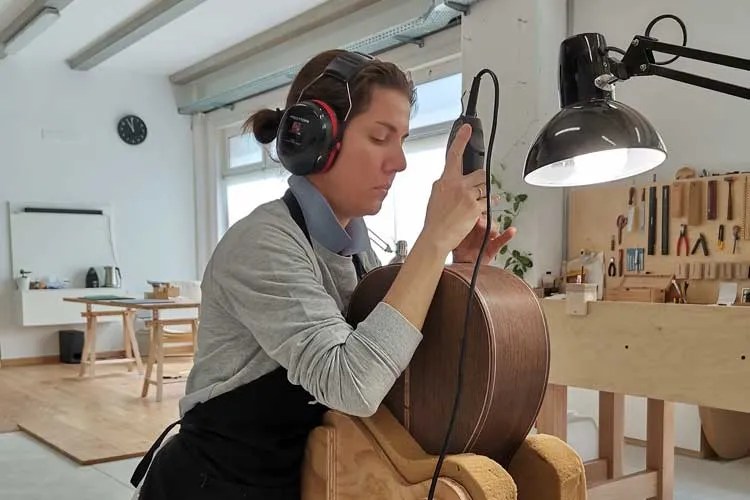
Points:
(508, 197)
(522, 197)
(504, 250)
(515, 253)
(524, 260)
(516, 204)
(507, 221)
(507, 262)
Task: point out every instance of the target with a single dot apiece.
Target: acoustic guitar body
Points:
(506, 363)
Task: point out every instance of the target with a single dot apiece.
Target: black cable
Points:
(472, 286)
(684, 34)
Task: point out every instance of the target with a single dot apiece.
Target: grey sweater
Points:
(270, 300)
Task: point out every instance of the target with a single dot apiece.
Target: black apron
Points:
(247, 443)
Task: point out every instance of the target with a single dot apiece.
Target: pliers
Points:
(702, 242)
(683, 239)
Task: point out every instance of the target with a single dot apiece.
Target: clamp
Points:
(702, 242)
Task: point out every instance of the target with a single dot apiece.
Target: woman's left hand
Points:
(468, 249)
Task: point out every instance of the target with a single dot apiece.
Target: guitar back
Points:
(506, 361)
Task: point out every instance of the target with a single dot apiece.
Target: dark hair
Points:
(265, 122)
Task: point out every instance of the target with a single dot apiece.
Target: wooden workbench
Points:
(665, 352)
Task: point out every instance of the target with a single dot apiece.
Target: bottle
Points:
(401, 252)
(548, 283)
(92, 278)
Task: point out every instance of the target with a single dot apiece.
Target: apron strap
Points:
(296, 212)
(143, 465)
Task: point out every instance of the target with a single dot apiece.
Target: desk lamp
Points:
(594, 138)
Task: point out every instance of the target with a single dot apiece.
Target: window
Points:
(404, 209)
(244, 150)
(251, 178)
(244, 194)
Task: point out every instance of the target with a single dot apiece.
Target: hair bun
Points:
(265, 124)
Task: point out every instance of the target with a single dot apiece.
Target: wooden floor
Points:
(91, 420)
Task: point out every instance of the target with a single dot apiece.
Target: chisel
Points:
(652, 220)
(665, 220)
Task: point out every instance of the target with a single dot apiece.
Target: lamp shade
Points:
(595, 141)
(593, 138)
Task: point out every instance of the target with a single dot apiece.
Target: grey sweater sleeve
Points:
(271, 287)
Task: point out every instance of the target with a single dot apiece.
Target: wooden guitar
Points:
(506, 363)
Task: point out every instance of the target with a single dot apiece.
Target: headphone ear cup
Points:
(307, 135)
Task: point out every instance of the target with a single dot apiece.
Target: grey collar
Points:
(322, 223)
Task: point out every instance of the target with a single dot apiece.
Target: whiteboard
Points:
(55, 246)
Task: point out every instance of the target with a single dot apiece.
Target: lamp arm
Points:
(639, 61)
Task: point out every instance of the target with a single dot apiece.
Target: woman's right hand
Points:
(457, 201)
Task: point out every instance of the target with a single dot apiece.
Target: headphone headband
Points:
(347, 65)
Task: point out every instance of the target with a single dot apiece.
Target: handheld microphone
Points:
(474, 152)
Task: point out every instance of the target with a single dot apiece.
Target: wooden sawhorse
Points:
(88, 356)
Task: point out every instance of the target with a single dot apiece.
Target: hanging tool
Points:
(665, 220)
(642, 214)
(652, 220)
(711, 212)
(612, 268)
(695, 203)
(746, 211)
(702, 242)
(736, 234)
(640, 264)
(720, 244)
(631, 209)
(730, 198)
(678, 200)
(612, 243)
(683, 239)
(620, 260)
(622, 221)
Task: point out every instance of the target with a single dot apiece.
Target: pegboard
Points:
(593, 212)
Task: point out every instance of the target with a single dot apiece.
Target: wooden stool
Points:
(161, 338)
(88, 356)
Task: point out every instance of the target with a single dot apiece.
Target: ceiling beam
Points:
(131, 31)
(25, 17)
(323, 14)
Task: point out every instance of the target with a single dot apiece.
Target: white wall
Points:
(701, 128)
(518, 40)
(149, 187)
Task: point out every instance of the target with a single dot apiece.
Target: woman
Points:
(275, 351)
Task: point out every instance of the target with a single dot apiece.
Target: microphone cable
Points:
(477, 264)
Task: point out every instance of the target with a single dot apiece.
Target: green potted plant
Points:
(517, 261)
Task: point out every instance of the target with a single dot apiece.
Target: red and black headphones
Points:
(309, 134)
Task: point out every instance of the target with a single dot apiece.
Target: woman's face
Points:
(371, 155)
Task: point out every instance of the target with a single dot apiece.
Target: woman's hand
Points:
(456, 202)
(468, 249)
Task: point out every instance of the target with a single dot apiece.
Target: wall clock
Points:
(132, 129)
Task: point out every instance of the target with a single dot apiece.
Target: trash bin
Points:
(71, 346)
